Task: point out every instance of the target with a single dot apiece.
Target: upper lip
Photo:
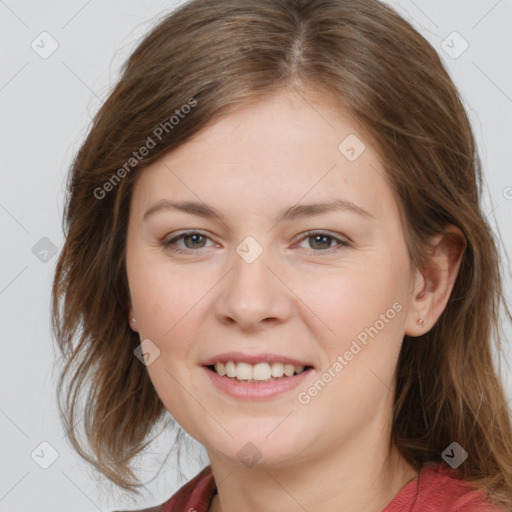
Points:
(253, 359)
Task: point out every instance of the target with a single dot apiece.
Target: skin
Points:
(304, 297)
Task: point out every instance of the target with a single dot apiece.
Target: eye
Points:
(192, 239)
(323, 241)
(195, 240)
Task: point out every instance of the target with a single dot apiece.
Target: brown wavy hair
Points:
(225, 54)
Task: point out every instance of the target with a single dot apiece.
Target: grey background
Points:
(46, 106)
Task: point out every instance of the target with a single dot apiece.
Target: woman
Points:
(273, 234)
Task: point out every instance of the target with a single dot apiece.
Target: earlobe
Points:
(434, 283)
(132, 320)
(418, 316)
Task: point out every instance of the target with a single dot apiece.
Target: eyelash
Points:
(308, 234)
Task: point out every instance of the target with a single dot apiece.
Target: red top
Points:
(437, 489)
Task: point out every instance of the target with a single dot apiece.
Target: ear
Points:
(132, 319)
(433, 284)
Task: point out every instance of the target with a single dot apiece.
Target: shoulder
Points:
(441, 489)
(194, 495)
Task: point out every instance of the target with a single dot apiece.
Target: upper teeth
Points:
(260, 371)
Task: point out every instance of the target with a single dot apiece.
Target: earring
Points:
(133, 319)
(420, 322)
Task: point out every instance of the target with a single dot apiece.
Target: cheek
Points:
(168, 302)
(366, 314)
(344, 303)
(362, 313)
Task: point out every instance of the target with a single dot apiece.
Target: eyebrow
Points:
(287, 214)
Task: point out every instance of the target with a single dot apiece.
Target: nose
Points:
(253, 295)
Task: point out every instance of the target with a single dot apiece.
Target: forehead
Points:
(276, 151)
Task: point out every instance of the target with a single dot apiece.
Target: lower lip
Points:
(253, 390)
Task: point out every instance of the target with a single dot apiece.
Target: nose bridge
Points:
(251, 292)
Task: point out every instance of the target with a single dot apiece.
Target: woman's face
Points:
(271, 277)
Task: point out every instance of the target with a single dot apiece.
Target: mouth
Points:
(258, 373)
(255, 377)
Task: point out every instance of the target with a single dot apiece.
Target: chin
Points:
(268, 447)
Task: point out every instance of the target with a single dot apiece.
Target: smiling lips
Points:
(260, 372)
(255, 390)
(255, 368)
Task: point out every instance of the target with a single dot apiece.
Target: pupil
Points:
(318, 239)
(194, 238)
